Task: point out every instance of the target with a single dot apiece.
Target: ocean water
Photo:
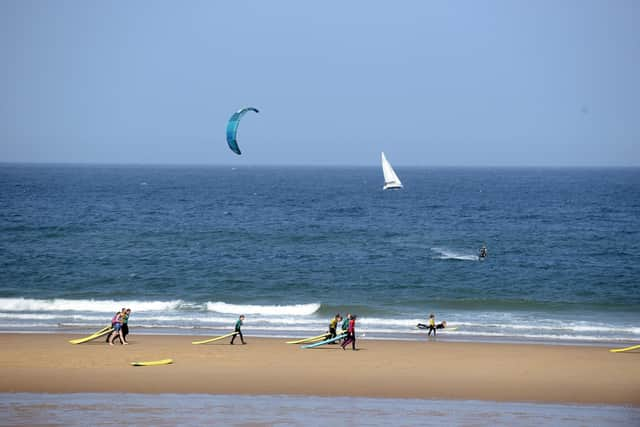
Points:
(188, 249)
(116, 409)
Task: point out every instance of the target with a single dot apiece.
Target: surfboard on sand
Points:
(153, 362)
(620, 350)
(102, 332)
(221, 337)
(329, 341)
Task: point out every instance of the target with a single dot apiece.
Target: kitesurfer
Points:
(239, 330)
(483, 251)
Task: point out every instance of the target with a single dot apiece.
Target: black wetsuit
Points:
(238, 332)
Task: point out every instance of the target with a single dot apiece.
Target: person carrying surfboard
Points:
(431, 325)
(238, 330)
(351, 334)
(333, 326)
(113, 322)
(345, 324)
(117, 328)
(125, 325)
(440, 325)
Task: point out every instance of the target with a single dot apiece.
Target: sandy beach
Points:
(47, 363)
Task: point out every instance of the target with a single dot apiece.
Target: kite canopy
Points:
(232, 128)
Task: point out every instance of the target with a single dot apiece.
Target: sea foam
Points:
(101, 306)
(270, 310)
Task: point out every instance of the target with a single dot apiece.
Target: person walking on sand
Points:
(113, 322)
(345, 324)
(431, 325)
(333, 326)
(351, 333)
(117, 328)
(238, 330)
(125, 325)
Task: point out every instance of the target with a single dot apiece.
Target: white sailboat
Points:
(391, 180)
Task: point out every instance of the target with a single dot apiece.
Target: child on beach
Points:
(116, 322)
(238, 330)
(431, 325)
(113, 323)
(351, 334)
(125, 325)
(440, 325)
(345, 324)
(333, 326)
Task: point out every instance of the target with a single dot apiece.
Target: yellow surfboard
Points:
(310, 339)
(620, 350)
(153, 362)
(315, 339)
(213, 339)
(102, 332)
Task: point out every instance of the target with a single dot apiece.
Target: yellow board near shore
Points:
(153, 363)
(314, 339)
(97, 334)
(620, 350)
(308, 340)
(213, 339)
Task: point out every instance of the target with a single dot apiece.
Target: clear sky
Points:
(431, 82)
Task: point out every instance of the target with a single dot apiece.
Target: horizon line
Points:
(313, 165)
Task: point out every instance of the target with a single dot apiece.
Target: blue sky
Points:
(482, 83)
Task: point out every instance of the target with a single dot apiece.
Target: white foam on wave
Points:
(449, 254)
(100, 306)
(566, 327)
(269, 310)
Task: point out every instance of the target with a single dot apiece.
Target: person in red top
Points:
(351, 334)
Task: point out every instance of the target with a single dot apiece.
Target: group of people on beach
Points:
(119, 326)
(348, 325)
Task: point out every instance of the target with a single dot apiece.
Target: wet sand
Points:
(47, 363)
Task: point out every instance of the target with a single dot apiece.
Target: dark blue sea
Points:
(188, 249)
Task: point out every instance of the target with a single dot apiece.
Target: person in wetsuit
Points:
(351, 334)
(333, 325)
(431, 325)
(238, 330)
(483, 251)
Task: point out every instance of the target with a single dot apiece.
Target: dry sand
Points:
(46, 363)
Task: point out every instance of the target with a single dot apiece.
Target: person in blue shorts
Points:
(116, 322)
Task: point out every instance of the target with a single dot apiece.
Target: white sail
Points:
(391, 180)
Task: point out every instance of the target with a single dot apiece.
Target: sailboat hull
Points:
(392, 186)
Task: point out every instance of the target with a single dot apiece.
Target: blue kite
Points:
(232, 128)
